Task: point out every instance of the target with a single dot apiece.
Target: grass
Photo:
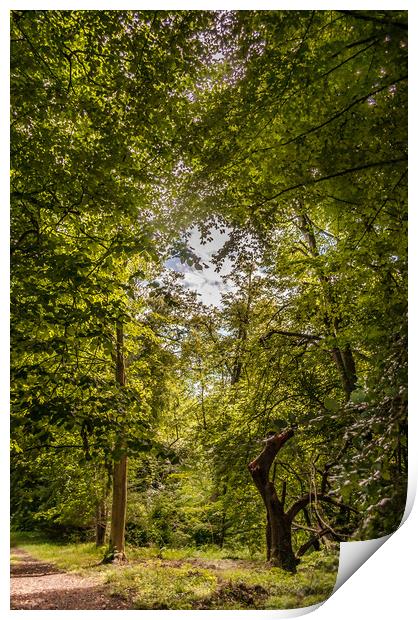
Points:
(69, 557)
(194, 579)
(193, 584)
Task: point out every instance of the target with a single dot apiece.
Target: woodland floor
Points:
(37, 585)
(48, 575)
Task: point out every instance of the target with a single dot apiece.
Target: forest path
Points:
(37, 585)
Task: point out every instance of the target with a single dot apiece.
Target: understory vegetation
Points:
(208, 296)
(193, 579)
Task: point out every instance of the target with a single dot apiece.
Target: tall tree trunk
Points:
(120, 470)
(244, 320)
(278, 529)
(345, 364)
(224, 526)
(101, 521)
(117, 528)
(102, 507)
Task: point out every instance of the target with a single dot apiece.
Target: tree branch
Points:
(304, 548)
(371, 221)
(260, 467)
(340, 173)
(370, 18)
(307, 499)
(341, 112)
(281, 332)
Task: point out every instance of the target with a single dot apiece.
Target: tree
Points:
(285, 129)
(280, 522)
(120, 474)
(91, 145)
(312, 163)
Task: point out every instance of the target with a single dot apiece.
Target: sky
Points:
(207, 283)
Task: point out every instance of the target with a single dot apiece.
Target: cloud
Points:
(207, 283)
(208, 288)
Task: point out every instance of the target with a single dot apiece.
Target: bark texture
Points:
(120, 473)
(278, 520)
(117, 529)
(278, 529)
(101, 521)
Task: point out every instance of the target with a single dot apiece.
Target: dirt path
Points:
(37, 585)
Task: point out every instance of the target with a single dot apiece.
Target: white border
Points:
(385, 586)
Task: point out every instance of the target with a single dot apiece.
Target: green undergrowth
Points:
(194, 579)
(223, 584)
(69, 557)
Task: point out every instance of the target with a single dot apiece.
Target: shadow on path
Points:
(38, 585)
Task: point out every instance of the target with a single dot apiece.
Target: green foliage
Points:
(86, 168)
(214, 585)
(287, 130)
(193, 580)
(311, 172)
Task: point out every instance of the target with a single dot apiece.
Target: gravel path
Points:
(37, 585)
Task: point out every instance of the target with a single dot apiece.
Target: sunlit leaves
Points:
(288, 129)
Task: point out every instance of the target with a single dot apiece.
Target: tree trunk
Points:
(101, 522)
(278, 530)
(350, 367)
(224, 526)
(268, 538)
(281, 553)
(315, 542)
(346, 379)
(279, 522)
(117, 528)
(243, 323)
(116, 551)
